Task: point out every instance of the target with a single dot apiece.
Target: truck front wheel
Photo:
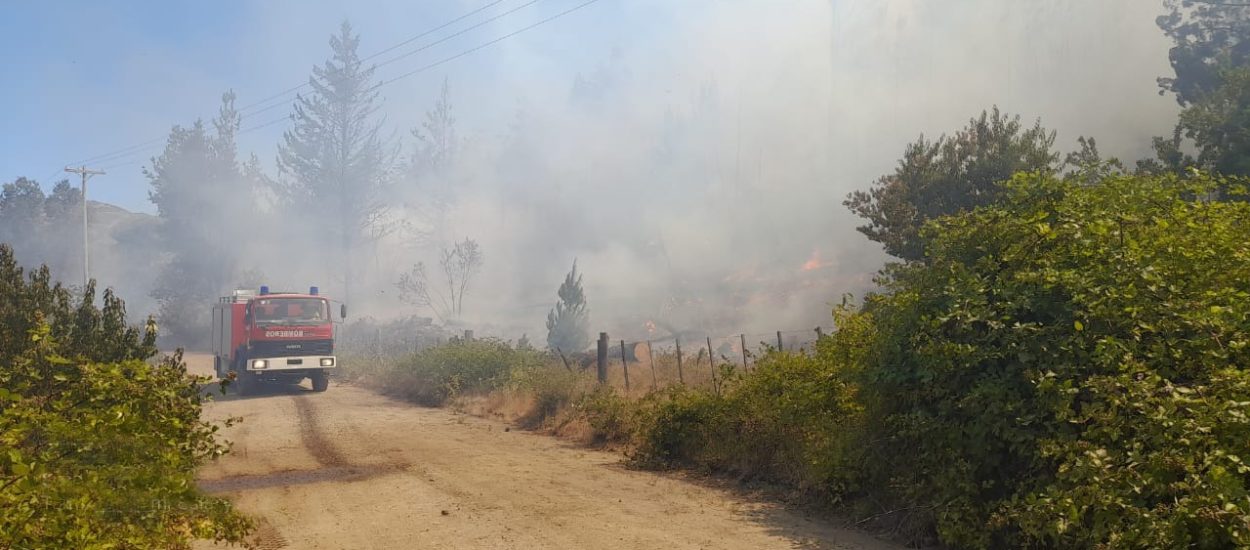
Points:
(246, 383)
(320, 381)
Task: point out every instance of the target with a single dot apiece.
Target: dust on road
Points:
(351, 469)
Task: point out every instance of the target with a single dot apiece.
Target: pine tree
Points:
(62, 211)
(339, 167)
(568, 324)
(429, 169)
(21, 218)
(201, 193)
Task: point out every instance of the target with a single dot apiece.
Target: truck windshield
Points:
(290, 311)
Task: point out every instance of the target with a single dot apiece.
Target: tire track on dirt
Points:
(313, 435)
(353, 469)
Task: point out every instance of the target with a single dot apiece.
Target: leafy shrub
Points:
(98, 448)
(790, 420)
(1067, 369)
(680, 426)
(434, 375)
(551, 386)
(611, 417)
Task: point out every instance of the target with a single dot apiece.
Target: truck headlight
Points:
(327, 361)
(260, 364)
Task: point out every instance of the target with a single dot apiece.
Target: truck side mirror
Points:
(343, 311)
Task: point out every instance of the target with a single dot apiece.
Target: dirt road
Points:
(351, 469)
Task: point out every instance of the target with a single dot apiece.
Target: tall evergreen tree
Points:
(336, 164)
(436, 147)
(62, 240)
(568, 325)
(201, 195)
(21, 218)
(429, 167)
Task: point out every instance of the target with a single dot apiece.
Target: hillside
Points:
(123, 254)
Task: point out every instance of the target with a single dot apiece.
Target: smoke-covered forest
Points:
(1024, 225)
(696, 193)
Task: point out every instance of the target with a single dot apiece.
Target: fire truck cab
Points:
(275, 337)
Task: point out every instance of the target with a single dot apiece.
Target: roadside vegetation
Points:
(99, 441)
(1065, 369)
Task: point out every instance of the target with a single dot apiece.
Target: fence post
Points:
(743, 338)
(468, 336)
(651, 359)
(680, 377)
(625, 367)
(603, 357)
(712, 363)
(780, 346)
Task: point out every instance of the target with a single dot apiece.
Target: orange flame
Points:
(813, 263)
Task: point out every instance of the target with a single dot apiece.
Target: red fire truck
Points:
(280, 337)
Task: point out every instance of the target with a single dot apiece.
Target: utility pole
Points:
(86, 257)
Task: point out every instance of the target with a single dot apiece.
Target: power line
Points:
(487, 44)
(265, 124)
(121, 164)
(416, 51)
(376, 54)
(118, 155)
(138, 147)
(283, 118)
(119, 152)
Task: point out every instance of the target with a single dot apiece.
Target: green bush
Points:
(611, 417)
(552, 387)
(675, 427)
(98, 448)
(434, 375)
(791, 419)
(1067, 369)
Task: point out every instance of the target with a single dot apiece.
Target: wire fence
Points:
(635, 367)
(641, 366)
(370, 338)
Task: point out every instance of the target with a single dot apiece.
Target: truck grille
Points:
(292, 348)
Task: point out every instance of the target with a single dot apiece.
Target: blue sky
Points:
(86, 78)
(814, 99)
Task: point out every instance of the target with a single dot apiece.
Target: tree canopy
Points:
(568, 323)
(949, 175)
(1068, 368)
(1208, 37)
(100, 447)
(336, 163)
(201, 192)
